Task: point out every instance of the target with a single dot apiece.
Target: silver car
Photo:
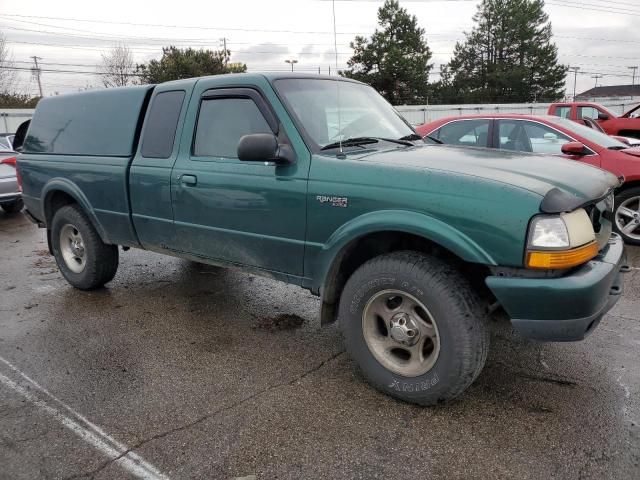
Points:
(10, 194)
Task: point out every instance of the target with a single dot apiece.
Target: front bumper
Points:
(567, 308)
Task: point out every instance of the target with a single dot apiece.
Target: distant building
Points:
(610, 92)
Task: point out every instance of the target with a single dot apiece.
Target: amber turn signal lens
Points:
(558, 259)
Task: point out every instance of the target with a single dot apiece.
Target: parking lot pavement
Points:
(180, 370)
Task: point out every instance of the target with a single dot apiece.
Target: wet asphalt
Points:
(203, 372)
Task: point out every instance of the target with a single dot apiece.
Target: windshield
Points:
(332, 110)
(590, 134)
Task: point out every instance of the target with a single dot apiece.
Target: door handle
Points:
(190, 180)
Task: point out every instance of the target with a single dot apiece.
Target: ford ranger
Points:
(317, 181)
(626, 125)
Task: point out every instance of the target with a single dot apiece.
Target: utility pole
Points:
(596, 77)
(36, 71)
(223, 44)
(575, 77)
(633, 78)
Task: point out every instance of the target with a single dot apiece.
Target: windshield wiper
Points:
(618, 147)
(435, 140)
(411, 136)
(357, 141)
(351, 142)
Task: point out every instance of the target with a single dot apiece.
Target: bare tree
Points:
(7, 72)
(117, 67)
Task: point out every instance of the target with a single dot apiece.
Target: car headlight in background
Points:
(560, 241)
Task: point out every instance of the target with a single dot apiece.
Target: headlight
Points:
(549, 232)
(560, 241)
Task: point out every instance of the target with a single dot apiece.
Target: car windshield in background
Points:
(590, 134)
(331, 110)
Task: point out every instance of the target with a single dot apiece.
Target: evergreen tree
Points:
(177, 63)
(395, 60)
(508, 56)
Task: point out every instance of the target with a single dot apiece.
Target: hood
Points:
(536, 173)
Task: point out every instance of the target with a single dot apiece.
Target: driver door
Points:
(246, 213)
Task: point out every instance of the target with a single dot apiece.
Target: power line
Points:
(610, 8)
(586, 7)
(194, 27)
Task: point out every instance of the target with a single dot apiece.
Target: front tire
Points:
(84, 260)
(414, 326)
(627, 215)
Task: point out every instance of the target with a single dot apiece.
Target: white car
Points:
(10, 194)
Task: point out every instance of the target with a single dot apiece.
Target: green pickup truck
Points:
(317, 181)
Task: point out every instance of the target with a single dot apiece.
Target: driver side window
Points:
(526, 136)
(221, 124)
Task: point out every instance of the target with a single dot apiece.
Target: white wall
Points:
(419, 114)
(415, 114)
(11, 118)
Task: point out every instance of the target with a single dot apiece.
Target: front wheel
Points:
(414, 326)
(627, 215)
(84, 260)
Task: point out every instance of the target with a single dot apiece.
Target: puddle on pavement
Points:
(284, 321)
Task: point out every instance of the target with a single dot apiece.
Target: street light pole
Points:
(633, 77)
(575, 77)
(292, 62)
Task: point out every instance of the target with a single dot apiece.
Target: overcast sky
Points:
(599, 36)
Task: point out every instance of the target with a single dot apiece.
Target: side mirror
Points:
(264, 147)
(550, 136)
(603, 116)
(574, 148)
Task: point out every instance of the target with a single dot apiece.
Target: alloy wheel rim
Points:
(401, 333)
(628, 217)
(72, 248)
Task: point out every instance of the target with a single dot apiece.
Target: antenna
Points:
(335, 48)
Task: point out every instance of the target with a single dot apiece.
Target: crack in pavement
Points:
(91, 474)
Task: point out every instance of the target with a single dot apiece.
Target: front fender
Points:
(415, 223)
(59, 184)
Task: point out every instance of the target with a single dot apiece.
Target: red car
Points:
(555, 136)
(626, 125)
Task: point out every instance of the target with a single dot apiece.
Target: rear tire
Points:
(429, 338)
(13, 207)
(85, 261)
(627, 215)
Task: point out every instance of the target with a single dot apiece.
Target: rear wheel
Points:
(414, 326)
(627, 215)
(85, 261)
(13, 207)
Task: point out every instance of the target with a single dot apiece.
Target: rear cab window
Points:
(162, 122)
(562, 111)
